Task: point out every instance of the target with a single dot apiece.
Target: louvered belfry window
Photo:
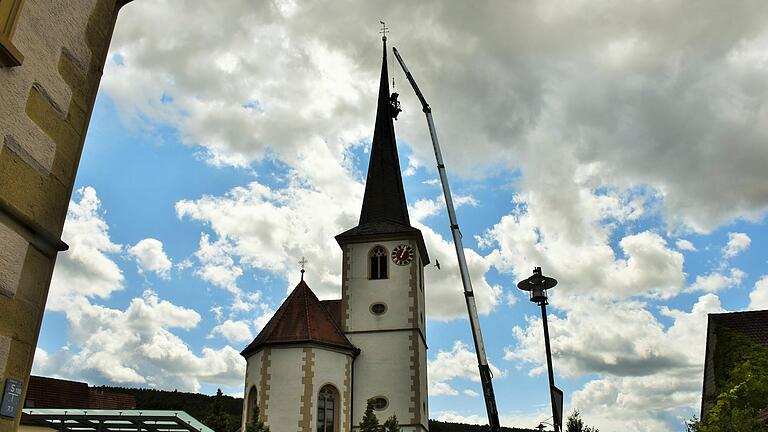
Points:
(326, 409)
(378, 259)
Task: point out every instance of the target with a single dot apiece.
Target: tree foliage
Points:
(256, 425)
(741, 382)
(217, 419)
(392, 425)
(369, 423)
(576, 424)
(195, 404)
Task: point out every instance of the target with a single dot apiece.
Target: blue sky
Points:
(625, 158)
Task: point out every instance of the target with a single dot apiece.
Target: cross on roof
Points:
(303, 261)
(384, 29)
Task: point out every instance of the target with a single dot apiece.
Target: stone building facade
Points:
(51, 57)
(316, 363)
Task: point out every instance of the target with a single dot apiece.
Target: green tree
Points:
(256, 425)
(392, 425)
(576, 424)
(741, 379)
(217, 419)
(369, 423)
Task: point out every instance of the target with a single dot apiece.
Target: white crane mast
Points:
(482, 360)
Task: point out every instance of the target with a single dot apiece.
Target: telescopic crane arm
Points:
(482, 360)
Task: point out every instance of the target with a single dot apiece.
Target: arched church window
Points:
(252, 406)
(378, 263)
(327, 409)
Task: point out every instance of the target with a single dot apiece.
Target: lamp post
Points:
(537, 286)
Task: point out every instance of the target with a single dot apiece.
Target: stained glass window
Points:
(326, 409)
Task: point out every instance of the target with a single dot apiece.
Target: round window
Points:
(378, 308)
(380, 403)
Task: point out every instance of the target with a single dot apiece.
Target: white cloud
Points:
(737, 243)
(717, 281)
(235, 332)
(471, 393)
(454, 417)
(643, 368)
(685, 245)
(445, 296)
(150, 257)
(758, 297)
(459, 363)
(86, 269)
(136, 346)
(627, 110)
(132, 346)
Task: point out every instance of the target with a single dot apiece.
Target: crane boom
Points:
(485, 371)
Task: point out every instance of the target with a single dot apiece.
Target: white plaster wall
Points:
(382, 369)
(423, 383)
(286, 389)
(37, 21)
(392, 291)
(13, 251)
(329, 369)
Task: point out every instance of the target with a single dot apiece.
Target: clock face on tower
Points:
(402, 255)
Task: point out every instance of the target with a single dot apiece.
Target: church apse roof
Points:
(302, 318)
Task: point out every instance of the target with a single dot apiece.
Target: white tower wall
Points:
(392, 363)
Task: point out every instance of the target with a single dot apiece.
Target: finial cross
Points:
(384, 29)
(303, 261)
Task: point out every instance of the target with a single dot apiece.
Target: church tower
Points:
(382, 304)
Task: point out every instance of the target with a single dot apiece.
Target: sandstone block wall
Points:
(45, 107)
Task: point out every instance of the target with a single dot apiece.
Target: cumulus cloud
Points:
(645, 101)
(758, 297)
(717, 281)
(236, 332)
(737, 243)
(131, 346)
(258, 227)
(86, 269)
(643, 367)
(459, 363)
(135, 346)
(685, 245)
(150, 257)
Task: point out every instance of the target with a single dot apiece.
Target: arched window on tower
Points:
(327, 409)
(378, 263)
(252, 406)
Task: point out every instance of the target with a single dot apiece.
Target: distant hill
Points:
(198, 406)
(195, 404)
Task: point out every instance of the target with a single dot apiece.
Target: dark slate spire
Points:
(384, 198)
(384, 214)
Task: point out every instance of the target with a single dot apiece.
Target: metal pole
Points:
(555, 419)
(485, 370)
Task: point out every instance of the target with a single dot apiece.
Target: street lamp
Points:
(537, 286)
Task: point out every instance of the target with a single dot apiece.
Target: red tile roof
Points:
(302, 318)
(45, 392)
(334, 308)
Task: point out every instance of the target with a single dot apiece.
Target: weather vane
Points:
(303, 262)
(384, 29)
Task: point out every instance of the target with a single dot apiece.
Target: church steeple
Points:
(384, 214)
(384, 197)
